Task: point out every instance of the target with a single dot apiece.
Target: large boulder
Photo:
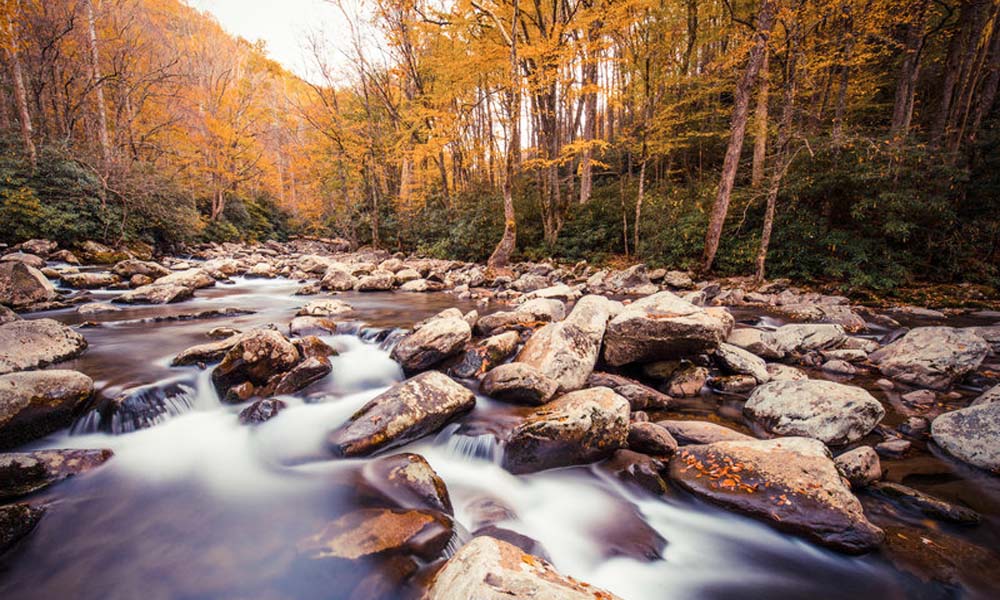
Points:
(567, 351)
(407, 411)
(22, 473)
(255, 359)
(577, 428)
(377, 281)
(790, 483)
(22, 285)
(800, 338)
(435, 341)
(490, 569)
(36, 403)
(664, 326)
(31, 260)
(32, 344)
(738, 361)
(518, 383)
(95, 253)
(971, 434)
(156, 293)
(827, 411)
(932, 357)
(338, 279)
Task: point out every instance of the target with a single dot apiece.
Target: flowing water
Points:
(199, 506)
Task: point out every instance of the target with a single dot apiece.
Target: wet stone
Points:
(22, 473)
(262, 410)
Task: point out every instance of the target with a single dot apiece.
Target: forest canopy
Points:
(846, 140)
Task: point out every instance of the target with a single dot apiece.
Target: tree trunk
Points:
(95, 71)
(638, 204)
(508, 243)
(988, 90)
(909, 71)
(590, 116)
(20, 93)
(760, 125)
(741, 110)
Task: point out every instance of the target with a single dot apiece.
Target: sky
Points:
(284, 25)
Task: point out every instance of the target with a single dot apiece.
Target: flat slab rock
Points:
(932, 357)
(790, 483)
(830, 412)
(32, 344)
(489, 569)
(971, 435)
(407, 411)
(22, 473)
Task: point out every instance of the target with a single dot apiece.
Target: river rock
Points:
(932, 357)
(261, 270)
(89, 280)
(577, 428)
(642, 471)
(825, 313)
(791, 483)
(489, 569)
(156, 293)
(688, 381)
(518, 383)
(22, 473)
(194, 279)
(435, 341)
(255, 358)
(126, 269)
(22, 285)
(94, 253)
(701, 432)
(338, 279)
(7, 315)
(651, 438)
(757, 342)
(567, 351)
(306, 326)
(35, 262)
(830, 412)
(17, 521)
(209, 352)
(142, 407)
(36, 343)
(800, 338)
(408, 481)
(36, 403)
(530, 314)
(262, 410)
(987, 397)
(639, 396)
(738, 361)
(369, 532)
(487, 354)
(780, 372)
(663, 326)
(94, 308)
(299, 377)
(376, 282)
(971, 434)
(325, 307)
(40, 247)
(407, 411)
(860, 466)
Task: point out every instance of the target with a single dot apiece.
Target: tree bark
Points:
(741, 110)
(909, 71)
(20, 93)
(638, 204)
(508, 243)
(95, 71)
(760, 125)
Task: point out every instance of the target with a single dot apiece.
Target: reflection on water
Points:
(201, 507)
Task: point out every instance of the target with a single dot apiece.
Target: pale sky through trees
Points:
(284, 25)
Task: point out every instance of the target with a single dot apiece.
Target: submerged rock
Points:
(36, 343)
(407, 411)
(489, 569)
(435, 341)
(577, 428)
(791, 483)
(663, 326)
(36, 403)
(22, 473)
(922, 503)
(518, 383)
(370, 532)
(971, 435)
(932, 357)
(17, 521)
(262, 410)
(22, 285)
(830, 412)
(567, 351)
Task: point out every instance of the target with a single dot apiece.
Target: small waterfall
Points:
(138, 408)
(465, 443)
